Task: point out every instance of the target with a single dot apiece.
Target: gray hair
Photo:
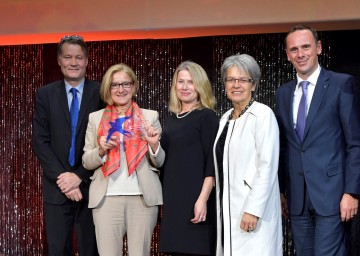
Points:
(245, 63)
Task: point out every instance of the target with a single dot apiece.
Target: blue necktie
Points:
(74, 114)
(301, 117)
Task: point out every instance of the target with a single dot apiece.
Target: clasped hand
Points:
(69, 183)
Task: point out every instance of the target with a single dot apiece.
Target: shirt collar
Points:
(312, 78)
(79, 87)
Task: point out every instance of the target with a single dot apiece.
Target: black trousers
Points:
(62, 220)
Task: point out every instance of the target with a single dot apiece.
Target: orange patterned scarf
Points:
(135, 144)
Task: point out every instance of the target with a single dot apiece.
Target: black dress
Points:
(188, 143)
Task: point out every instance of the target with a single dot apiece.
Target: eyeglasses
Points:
(125, 85)
(241, 80)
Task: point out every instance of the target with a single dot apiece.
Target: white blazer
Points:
(250, 165)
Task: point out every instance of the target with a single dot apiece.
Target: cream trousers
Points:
(118, 216)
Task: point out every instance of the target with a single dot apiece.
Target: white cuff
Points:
(103, 159)
(156, 152)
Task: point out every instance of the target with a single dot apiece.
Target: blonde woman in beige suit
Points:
(125, 191)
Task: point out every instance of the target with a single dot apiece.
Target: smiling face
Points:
(303, 50)
(121, 96)
(73, 63)
(239, 92)
(185, 90)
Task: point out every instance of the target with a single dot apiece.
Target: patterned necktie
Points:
(301, 117)
(74, 114)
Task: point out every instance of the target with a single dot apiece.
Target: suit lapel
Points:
(61, 94)
(86, 97)
(222, 124)
(289, 100)
(321, 88)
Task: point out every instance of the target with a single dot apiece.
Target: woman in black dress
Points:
(188, 222)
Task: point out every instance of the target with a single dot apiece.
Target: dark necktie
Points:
(74, 114)
(301, 117)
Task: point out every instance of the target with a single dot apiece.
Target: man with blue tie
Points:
(59, 125)
(319, 168)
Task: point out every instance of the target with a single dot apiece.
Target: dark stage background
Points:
(25, 68)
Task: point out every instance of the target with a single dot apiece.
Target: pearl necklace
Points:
(177, 114)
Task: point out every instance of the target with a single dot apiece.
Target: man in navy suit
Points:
(66, 182)
(319, 169)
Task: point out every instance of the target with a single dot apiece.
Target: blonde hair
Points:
(105, 89)
(201, 83)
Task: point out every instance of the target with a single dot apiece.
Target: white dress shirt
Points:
(298, 93)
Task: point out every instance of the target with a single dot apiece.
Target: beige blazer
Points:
(148, 175)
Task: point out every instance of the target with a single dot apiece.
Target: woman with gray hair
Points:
(246, 152)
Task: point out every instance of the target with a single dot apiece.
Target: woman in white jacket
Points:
(246, 152)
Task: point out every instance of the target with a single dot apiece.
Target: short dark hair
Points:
(73, 39)
(302, 27)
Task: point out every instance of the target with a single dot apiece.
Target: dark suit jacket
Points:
(328, 159)
(52, 135)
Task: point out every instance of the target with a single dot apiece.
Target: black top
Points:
(188, 143)
(219, 150)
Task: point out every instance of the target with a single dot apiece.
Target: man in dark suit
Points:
(58, 141)
(319, 166)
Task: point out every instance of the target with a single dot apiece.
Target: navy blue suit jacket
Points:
(52, 135)
(328, 159)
